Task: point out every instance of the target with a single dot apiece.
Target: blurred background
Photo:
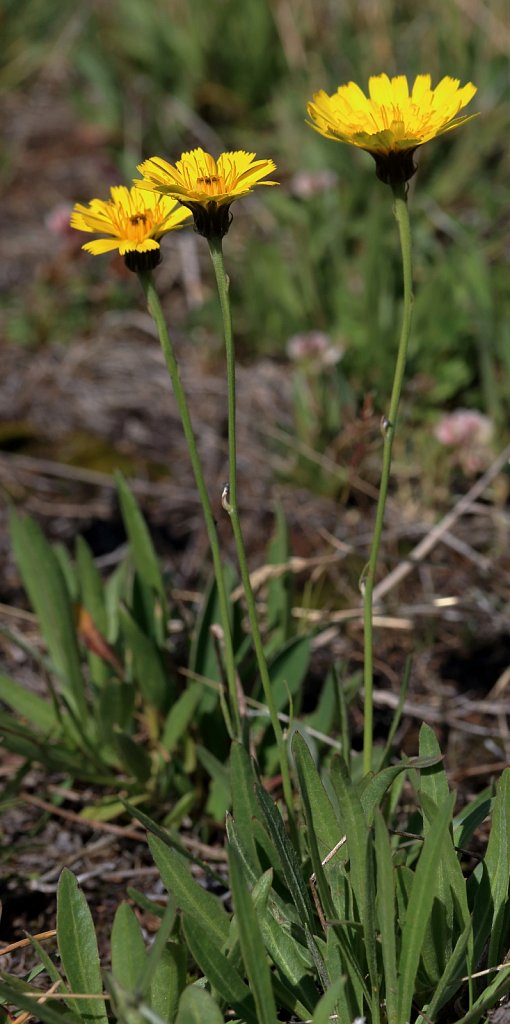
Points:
(88, 90)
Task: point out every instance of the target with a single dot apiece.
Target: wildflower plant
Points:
(335, 918)
(390, 123)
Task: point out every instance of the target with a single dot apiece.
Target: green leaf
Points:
(221, 974)
(288, 670)
(422, 895)
(29, 705)
(374, 787)
(452, 977)
(133, 756)
(168, 980)
(451, 903)
(196, 1006)
(199, 904)
(128, 949)
(355, 828)
(219, 798)
(203, 657)
(77, 946)
(91, 593)
(323, 821)
(244, 803)
(497, 864)
(291, 958)
(386, 914)
(145, 561)
(252, 946)
(150, 675)
(46, 588)
(179, 717)
(327, 1006)
(288, 857)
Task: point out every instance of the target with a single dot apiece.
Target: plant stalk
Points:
(230, 505)
(154, 306)
(388, 427)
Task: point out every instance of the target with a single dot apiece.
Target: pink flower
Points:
(315, 349)
(470, 433)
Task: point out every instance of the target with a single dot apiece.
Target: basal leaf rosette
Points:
(133, 223)
(205, 186)
(392, 121)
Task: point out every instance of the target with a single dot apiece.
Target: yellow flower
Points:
(134, 221)
(206, 186)
(391, 122)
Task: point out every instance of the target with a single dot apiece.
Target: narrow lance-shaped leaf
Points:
(77, 946)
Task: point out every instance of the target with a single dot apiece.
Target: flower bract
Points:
(392, 121)
(133, 222)
(206, 186)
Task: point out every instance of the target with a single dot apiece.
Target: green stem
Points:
(401, 212)
(216, 250)
(156, 312)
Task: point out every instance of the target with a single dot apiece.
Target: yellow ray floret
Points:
(391, 118)
(198, 179)
(134, 221)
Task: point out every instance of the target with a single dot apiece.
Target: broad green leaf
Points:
(288, 857)
(44, 583)
(470, 817)
(323, 821)
(179, 717)
(158, 947)
(219, 799)
(203, 657)
(200, 905)
(133, 756)
(355, 828)
(196, 1006)
(77, 946)
(322, 826)
(91, 594)
(168, 980)
(288, 670)
(373, 787)
(327, 1007)
(252, 946)
(451, 903)
(292, 959)
(422, 895)
(452, 977)
(128, 949)
(145, 561)
(221, 974)
(244, 803)
(497, 864)
(150, 675)
(29, 705)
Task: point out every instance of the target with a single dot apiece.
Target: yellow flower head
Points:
(206, 186)
(134, 221)
(391, 122)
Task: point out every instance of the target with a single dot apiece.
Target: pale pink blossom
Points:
(315, 348)
(469, 433)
